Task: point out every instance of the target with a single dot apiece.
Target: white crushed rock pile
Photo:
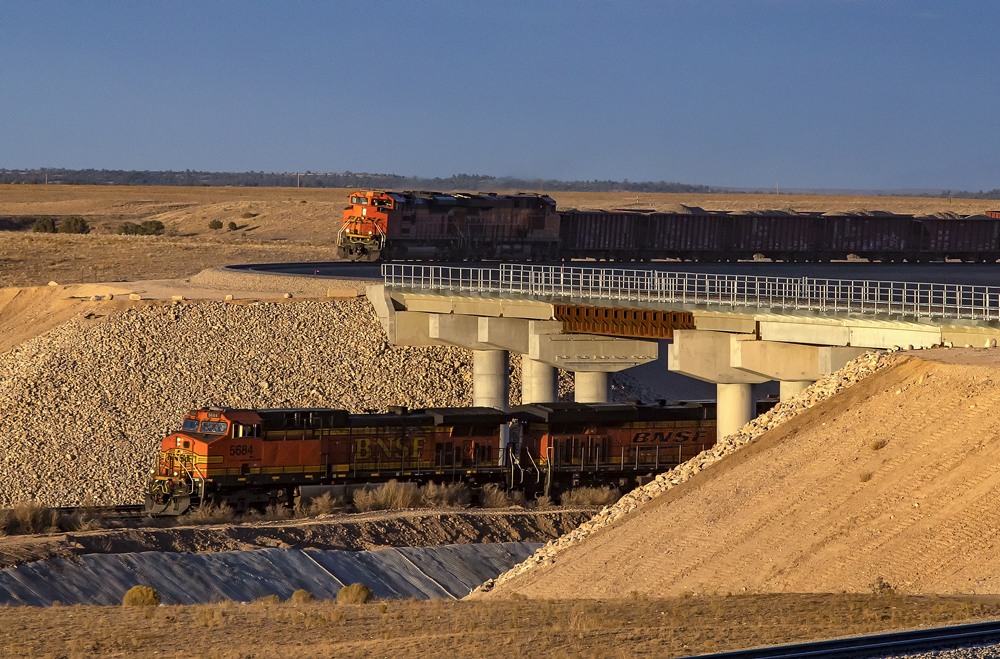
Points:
(821, 390)
(84, 406)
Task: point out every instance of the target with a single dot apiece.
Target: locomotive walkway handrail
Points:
(869, 297)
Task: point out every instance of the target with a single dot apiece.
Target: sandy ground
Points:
(358, 532)
(614, 629)
(895, 481)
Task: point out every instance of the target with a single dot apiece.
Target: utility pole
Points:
(777, 187)
(298, 180)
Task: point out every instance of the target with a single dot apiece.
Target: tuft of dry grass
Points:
(388, 496)
(356, 593)
(445, 495)
(30, 518)
(210, 514)
(141, 596)
(878, 444)
(324, 504)
(494, 497)
(590, 496)
(865, 476)
(544, 502)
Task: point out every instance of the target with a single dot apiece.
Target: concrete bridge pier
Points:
(592, 387)
(539, 382)
(490, 379)
(735, 406)
(789, 388)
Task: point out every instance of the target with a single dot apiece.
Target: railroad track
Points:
(102, 511)
(921, 640)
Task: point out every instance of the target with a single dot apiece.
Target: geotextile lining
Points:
(446, 572)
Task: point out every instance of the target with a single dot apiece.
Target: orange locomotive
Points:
(256, 458)
(448, 226)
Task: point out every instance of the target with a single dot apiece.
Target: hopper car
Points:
(527, 227)
(254, 458)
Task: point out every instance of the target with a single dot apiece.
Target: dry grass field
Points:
(628, 627)
(273, 225)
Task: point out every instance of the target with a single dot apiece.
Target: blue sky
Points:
(815, 93)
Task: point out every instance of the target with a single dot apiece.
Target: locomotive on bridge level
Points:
(435, 225)
(256, 458)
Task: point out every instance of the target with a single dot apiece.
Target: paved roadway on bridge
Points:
(977, 274)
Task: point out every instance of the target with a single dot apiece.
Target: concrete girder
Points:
(584, 352)
(513, 333)
(461, 331)
(706, 356)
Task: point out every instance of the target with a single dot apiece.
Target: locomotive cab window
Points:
(191, 424)
(214, 427)
(360, 201)
(382, 203)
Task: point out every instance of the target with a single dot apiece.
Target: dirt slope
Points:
(815, 506)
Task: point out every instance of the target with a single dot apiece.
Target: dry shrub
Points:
(865, 476)
(544, 502)
(324, 504)
(494, 497)
(879, 444)
(268, 599)
(445, 495)
(356, 593)
(141, 596)
(210, 514)
(301, 596)
(277, 512)
(30, 517)
(388, 496)
(590, 496)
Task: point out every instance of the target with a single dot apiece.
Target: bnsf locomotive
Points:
(459, 226)
(256, 458)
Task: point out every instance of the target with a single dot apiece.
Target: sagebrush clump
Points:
(147, 228)
(141, 596)
(590, 496)
(301, 596)
(73, 224)
(356, 593)
(388, 496)
(215, 224)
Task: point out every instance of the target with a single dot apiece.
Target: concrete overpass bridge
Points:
(731, 330)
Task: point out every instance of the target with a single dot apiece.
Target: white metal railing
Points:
(919, 300)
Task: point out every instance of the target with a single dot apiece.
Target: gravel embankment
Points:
(823, 389)
(84, 406)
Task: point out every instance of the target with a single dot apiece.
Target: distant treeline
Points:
(991, 194)
(316, 180)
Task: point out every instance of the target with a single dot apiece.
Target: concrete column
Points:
(539, 382)
(490, 380)
(735, 407)
(788, 389)
(591, 386)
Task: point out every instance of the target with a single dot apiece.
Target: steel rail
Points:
(920, 640)
(102, 511)
(866, 297)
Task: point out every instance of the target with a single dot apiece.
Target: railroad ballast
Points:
(256, 458)
(527, 227)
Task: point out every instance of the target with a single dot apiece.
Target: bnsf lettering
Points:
(670, 436)
(387, 449)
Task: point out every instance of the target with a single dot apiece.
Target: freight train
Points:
(527, 227)
(254, 458)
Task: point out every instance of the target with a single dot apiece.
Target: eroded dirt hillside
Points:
(894, 481)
